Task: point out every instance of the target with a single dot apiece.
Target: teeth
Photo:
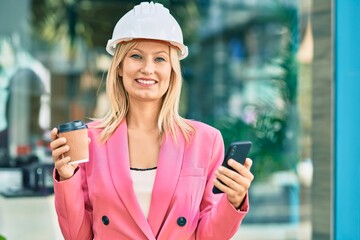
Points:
(146, 81)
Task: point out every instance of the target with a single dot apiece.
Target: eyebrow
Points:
(158, 52)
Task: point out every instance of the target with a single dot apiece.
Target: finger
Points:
(62, 162)
(225, 172)
(235, 165)
(53, 134)
(65, 162)
(57, 143)
(241, 169)
(235, 191)
(221, 186)
(57, 153)
(233, 179)
(63, 168)
(89, 140)
(73, 165)
(247, 166)
(231, 193)
(248, 163)
(234, 198)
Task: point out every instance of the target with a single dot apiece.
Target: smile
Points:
(146, 82)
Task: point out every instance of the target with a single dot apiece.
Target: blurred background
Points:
(250, 73)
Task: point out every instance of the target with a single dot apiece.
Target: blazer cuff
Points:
(68, 188)
(56, 175)
(244, 206)
(227, 209)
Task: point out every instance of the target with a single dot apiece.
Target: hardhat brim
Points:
(111, 45)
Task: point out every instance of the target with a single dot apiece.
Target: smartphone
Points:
(237, 151)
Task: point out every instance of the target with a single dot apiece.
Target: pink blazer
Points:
(99, 202)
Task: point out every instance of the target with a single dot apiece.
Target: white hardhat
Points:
(148, 21)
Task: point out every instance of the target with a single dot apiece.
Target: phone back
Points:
(237, 151)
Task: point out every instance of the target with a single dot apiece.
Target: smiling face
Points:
(146, 71)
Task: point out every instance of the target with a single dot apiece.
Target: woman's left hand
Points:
(235, 183)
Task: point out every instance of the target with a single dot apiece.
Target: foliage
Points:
(274, 133)
(94, 21)
(269, 143)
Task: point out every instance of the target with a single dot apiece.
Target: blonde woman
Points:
(151, 172)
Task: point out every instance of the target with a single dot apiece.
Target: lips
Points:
(146, 81)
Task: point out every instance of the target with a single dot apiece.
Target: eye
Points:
(160, 59)
(136, 56)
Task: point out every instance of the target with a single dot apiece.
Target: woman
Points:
(151, 172)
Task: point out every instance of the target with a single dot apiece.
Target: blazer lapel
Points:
(168, 172)
(118, 154)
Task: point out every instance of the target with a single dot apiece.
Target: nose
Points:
(148, 67)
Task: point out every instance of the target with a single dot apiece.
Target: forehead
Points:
(152, 45)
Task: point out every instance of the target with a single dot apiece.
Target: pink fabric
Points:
(102, 190)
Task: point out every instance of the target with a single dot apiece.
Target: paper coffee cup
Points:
(76, 134)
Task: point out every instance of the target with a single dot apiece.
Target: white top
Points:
(143, 182)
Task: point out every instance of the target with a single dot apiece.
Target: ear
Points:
(119, 71)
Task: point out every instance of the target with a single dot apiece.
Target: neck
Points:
(143, 116)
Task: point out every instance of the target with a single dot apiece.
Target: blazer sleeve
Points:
(73, 207)
(218, 218)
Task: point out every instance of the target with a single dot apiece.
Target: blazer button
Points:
(105, 220)
(181, 221)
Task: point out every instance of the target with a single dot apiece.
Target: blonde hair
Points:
(169, 119)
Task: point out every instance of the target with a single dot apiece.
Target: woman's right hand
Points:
(58, 148)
